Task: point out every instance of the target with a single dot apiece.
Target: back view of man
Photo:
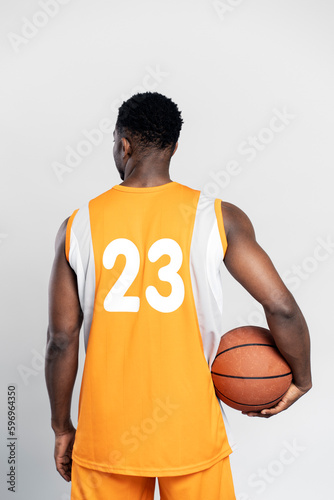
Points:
(140, 264)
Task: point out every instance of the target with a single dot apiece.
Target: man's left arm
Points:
(61, 363)
(251, 266)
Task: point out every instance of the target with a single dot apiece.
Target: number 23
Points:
(116, 300)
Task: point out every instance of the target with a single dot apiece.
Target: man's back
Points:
(149, 338)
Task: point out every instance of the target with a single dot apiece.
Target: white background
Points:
(230, 66)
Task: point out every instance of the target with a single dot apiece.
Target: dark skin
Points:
(255, 273)
(61, 364)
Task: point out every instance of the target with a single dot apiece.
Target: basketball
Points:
(248, 372)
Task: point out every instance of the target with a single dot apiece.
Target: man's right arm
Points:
(61, 363)
(253, 269)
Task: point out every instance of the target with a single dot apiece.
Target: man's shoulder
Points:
(235, 220)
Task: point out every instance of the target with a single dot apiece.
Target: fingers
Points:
(268, 412)
(256, 414)
(64, 467)
(63, 454)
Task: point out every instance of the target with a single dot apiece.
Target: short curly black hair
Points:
(152, 118)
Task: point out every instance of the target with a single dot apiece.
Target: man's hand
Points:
(63, 452)
(290, 397)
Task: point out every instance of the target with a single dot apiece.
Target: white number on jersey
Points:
(116, 299)
(166, 273)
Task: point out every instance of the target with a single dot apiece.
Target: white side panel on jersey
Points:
(81, 258)
(206, 256)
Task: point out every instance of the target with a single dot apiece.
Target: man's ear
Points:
(126, 147)
(176, 145)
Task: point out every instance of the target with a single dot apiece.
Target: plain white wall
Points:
(231, 66)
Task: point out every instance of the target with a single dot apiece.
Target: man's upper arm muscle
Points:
(250, 265)
(65, 315)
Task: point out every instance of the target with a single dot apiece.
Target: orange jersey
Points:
(147, 262)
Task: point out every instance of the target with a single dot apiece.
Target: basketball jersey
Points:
(147, 262)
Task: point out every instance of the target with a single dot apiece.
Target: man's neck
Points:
(146, 179)
(143, 184)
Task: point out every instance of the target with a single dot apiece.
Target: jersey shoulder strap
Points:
(68, 234)
(220, 222)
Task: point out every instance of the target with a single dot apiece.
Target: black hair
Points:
(152, 118)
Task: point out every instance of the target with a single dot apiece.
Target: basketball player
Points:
(140, 265)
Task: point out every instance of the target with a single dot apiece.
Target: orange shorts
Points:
(214, 483)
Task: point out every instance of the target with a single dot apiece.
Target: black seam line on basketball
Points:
(255, 378)
(246, 404)
(243, 345)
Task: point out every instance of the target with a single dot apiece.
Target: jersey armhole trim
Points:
(220, 223)
(68, 235)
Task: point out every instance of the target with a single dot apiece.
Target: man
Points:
(140, 264)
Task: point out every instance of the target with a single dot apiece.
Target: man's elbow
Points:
(60, 342)
(285, 308)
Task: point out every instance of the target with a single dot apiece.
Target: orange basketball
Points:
(248, 372)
